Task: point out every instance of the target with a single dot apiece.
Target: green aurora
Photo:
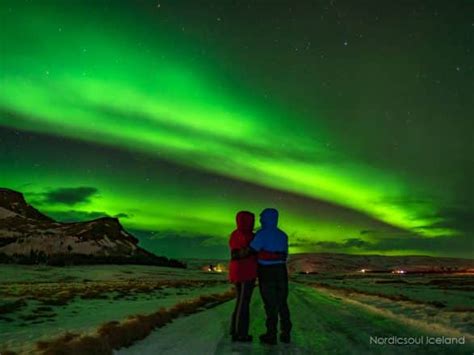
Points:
(176, 116)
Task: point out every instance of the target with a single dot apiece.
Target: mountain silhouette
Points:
(29, 237)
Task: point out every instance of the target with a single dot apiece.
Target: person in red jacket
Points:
(242, 273)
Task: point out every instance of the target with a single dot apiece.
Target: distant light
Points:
(363, 270)
(398, 272)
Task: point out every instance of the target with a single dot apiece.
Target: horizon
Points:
(185, 257)
(173, 118)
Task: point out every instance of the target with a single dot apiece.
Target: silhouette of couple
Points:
(262, 255)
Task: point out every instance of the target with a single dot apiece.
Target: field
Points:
(442, 301)
(139, 310)
(39, 303)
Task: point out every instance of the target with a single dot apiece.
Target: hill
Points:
(29, 237)
(333, 262)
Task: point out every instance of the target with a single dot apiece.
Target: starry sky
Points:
(354, 119)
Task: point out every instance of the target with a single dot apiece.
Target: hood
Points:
(245, 221)
(269, 218)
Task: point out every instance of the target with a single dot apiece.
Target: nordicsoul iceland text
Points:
(395, 340)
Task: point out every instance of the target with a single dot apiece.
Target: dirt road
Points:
(323, 324)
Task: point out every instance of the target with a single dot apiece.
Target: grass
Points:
(448, 292)
(394, 297)
(39, 303)
(11, 307)
(60, 294)
(115, 335)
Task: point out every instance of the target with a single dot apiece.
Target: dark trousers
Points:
(241, 314)
(273, 283)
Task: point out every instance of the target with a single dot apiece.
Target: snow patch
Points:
(4, 213)
(9, 234)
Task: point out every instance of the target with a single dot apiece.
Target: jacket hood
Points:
(269, 218)
(245, 221)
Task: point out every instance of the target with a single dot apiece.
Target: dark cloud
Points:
(459, 218)
(331, 245)
(328, 245)
(77, 216)
(346, 244)
(382, 241)
(182, 244)
(122, 215)
(82, 216)
(355, 243)
(69, 196)
(459, 245)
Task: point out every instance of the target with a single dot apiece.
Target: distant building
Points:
(215, 268)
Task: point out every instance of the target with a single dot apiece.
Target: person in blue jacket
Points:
(271, 245)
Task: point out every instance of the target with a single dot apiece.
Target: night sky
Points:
(354, 118)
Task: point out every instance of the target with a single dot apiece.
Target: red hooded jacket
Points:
(243, 269)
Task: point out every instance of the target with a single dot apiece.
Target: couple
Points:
(264, 255)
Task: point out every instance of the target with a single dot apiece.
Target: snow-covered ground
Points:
(323, 324)
(40, 274)
(4, 213)
(339, 318)
(52, 300)
(441, 300)
(447, 291)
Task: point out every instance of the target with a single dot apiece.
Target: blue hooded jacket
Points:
(269, 238)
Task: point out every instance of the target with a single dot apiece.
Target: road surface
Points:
(323, 324)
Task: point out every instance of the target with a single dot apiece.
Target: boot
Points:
(242, 338)
(268, 339)
(285, 338)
